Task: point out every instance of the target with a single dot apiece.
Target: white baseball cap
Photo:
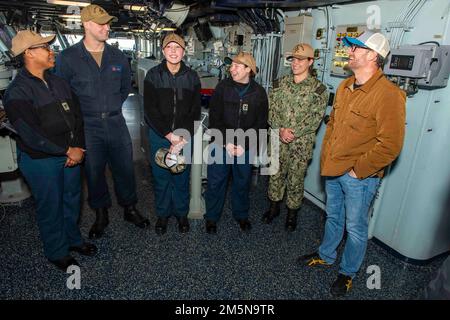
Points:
(372, 40)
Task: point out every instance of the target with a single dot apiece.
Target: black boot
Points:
(101, 221)
(183, 224)
(131, 214)
(161, 225)
(291, 219)
(245, 225)
(274, 211)
(211, 227)
(65, 262)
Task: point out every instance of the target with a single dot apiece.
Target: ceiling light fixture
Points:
(72, 19)
(70, 16)
(166, 29)
(69, 3)
(157, 30)
(135, 7)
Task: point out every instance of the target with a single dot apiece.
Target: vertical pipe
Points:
(197, 203)
(271, 60)
(266, 58)
(267, 54)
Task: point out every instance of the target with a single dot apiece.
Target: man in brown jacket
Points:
(364, 135)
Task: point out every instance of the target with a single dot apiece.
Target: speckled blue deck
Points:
(137, 264)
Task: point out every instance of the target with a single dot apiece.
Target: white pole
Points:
(197, 203)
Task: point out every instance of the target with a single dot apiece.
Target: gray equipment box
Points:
(428, 63)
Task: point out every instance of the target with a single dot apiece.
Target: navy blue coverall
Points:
(102, 91)
(48, 120)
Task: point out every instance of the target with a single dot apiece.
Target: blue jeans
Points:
(56, 190)
(348, 203)
(218, 175)
(108, 141)
(172, 193)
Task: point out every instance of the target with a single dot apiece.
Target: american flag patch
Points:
(116, 68)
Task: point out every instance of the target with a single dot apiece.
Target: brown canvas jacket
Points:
(366, 128)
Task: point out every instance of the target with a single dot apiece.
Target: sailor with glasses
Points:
(50, 146)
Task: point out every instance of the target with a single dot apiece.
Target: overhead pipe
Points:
(61, 38)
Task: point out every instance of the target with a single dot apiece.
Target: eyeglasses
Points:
(43, 46)
(353, 47)
(235, 64)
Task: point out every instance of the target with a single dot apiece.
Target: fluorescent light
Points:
(72, 19)
(135, 7)
(166, 29)
(70, 16)
(157, 30)
(69, 3)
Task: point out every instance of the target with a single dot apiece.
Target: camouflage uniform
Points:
(299, 106)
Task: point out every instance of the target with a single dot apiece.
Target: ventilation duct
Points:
(177, 13)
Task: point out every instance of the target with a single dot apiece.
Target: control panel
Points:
(427, 65)
(340, 57)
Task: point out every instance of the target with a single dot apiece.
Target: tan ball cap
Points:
(25, 39)
(173, 37)
(96, 14)
(301, 51)
(244, 58)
